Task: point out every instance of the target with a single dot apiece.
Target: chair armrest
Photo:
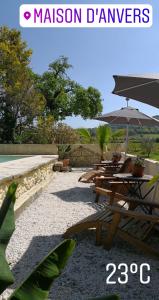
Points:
(143, 202)
(121, 197)
(137, 201)
(102, 191)
(134, 214)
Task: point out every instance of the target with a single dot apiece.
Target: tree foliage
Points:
(64, 134)
(64, 97)
(118, 135)
(20, 102)
(26, 97)
(147, 146)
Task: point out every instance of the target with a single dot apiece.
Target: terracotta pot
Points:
(138, 171)
(66, 162)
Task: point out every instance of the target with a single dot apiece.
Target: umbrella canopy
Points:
(144, 88)
(128, 115)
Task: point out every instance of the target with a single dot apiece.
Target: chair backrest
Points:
(127, 166)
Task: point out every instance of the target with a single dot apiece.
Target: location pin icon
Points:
(27, 15)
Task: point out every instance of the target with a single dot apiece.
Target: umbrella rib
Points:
(114, 119)
(136, 86)
(140, 124)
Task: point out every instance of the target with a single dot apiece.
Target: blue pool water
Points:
(4, 158)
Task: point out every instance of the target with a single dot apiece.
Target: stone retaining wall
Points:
(28, 149)
(83, 156)
(35, 174)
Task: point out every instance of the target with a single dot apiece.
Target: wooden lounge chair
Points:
(89, 176)
(106, 181)
(126, 220)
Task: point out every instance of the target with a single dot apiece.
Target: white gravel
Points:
(40, 227)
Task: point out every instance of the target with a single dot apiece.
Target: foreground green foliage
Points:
(7, 226)
(37, 285)
(153, 180)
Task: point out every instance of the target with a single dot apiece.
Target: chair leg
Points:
(98, 234)
(112, 231)
(97, 197)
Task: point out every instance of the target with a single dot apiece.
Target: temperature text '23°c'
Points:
(125, 270)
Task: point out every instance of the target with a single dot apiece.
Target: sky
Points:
(96, 54)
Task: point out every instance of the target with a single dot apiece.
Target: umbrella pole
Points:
(127, 138)
(127, 131)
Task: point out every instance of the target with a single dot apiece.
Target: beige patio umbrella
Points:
(144, 88)
(128, 116)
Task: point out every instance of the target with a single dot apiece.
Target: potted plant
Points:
(63, 151)
(116, 157)
(138, 167)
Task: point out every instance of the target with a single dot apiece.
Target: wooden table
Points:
(108, 163)
(136, 184)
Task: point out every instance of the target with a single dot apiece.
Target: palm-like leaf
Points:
(85, 135)
(103, 137)
(154, 179)
(37, 285)
(7, 226)
(63, 150)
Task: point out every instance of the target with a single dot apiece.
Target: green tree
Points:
(26, 97)
(64, 97)
(20, 102)
(147, 146)
(64, 134)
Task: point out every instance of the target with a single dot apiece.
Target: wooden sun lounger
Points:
(89, 176)
(130, 225)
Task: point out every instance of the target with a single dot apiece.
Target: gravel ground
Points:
(40, 227)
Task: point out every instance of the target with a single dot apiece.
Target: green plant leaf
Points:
(37, 285)
(153, 180)
(111, 297)
(7, 226)
(103, 137)
(85, 135)
(63, 150)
